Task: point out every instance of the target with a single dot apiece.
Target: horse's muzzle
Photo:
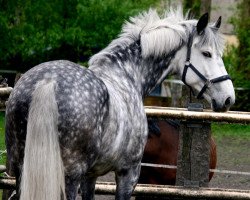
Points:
(217, 107)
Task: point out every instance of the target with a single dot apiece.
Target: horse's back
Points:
(81, 99)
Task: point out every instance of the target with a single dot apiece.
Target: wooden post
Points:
(205, 6)
(193, 155)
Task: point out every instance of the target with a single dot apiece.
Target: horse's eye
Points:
(206, 54)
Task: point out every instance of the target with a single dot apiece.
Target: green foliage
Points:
(237, 59)
(193, 6)
(29, 31)
(220, 130)
(231, 60)
(241, 55)
(32, 32)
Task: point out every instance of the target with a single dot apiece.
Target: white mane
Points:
(158, 35)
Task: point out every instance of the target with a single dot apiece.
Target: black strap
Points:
(184, 74)
(189, 46)
(189, 65)
(208, 83)
(221, 78)
(199, 96)
(184, 80)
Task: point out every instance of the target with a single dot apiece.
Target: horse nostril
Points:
(214, 104)
(228, 101)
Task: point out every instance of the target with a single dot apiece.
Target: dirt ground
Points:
(233, 154)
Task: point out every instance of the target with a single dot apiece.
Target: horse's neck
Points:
(124, 65)
(154, 72)
(116, 66)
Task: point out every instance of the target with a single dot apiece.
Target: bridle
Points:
(207, 82)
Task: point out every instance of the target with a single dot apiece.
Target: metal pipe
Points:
(221, 171)
(2, 168)
(5, 91)
(184, 114)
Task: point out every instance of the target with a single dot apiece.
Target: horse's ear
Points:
(218, 23)
(202, 23)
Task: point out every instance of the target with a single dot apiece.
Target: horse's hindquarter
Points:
(82, 103)
(102, 125)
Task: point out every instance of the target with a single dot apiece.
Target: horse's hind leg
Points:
(88, 188)
(126, 180)
(71, 187)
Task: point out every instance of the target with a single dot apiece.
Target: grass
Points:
(231, 130)
(236, 134)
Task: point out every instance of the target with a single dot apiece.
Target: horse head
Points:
(203, 69)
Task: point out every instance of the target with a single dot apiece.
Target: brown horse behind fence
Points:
(162, 148)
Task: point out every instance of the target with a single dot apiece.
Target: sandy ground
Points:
(233, 154)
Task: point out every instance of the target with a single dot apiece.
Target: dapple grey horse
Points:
(66, 124)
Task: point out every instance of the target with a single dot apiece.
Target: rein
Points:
(207, 82)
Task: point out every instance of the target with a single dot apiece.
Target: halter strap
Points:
(208, 83)
(188, 64)
(189, 46)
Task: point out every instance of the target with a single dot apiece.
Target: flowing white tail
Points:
(43, 172)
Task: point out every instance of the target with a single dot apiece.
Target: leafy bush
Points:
(242, 90)
(237, 59)
(32, 32)
(241, 55)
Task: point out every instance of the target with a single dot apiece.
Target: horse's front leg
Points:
(88, 188)
(126, 180)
